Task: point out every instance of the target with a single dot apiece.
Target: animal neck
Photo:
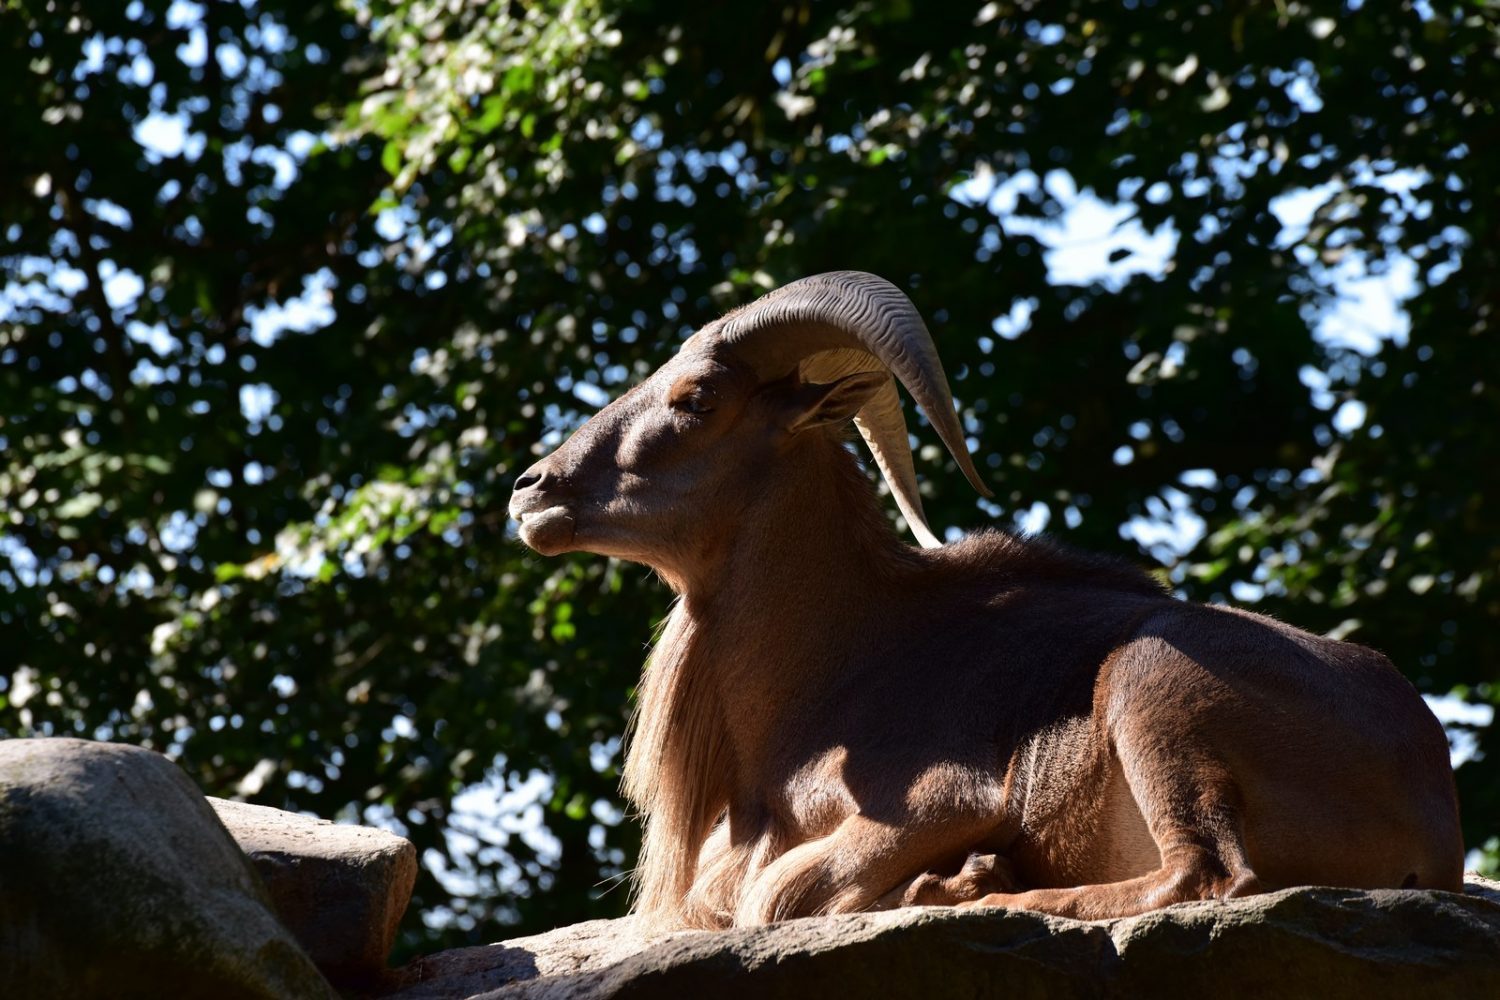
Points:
(811, 517)
(749, 638)
(813, 541)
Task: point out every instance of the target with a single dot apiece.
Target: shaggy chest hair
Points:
(680, 772)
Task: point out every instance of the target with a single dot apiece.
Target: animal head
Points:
(661, 469)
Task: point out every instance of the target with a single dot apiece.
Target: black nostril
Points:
(528, 480)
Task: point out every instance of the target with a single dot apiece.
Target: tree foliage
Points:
(291, 291)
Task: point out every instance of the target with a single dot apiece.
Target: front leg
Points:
(864, 865)
(981, 875)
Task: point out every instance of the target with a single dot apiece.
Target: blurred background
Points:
(291, 290)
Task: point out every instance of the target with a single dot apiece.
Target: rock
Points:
(117, 880)
(1328, 943)
(340, 889)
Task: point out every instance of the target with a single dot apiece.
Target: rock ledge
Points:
(1329, 943)
(340, 889)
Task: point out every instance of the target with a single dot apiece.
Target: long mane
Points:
(678, 770)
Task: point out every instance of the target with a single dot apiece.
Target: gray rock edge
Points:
(1322, 942)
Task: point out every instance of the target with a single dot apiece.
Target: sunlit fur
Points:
(833, 720)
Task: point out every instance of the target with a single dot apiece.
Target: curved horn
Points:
(847, 312)
(883, 427)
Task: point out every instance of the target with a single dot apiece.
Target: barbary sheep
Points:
(833, 720)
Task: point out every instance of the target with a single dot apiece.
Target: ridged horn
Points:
(831, 325)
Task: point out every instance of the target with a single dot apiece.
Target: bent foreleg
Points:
(981, 875)
(866, 865)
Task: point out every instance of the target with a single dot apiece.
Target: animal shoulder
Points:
(1001, 557)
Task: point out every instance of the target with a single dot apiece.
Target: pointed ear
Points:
(818, 405)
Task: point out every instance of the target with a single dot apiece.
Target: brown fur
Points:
(834, 721)
(677, 771)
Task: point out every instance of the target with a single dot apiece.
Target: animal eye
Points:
(694, 403)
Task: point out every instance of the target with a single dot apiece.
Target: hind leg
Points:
(1192, 810)
(1185, 875)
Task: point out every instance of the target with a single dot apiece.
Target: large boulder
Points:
(117, 880)
(1327, 943)
(341, 890)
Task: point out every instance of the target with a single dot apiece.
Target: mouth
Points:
(548, 531)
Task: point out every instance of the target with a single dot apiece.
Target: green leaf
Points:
(81, 505)
(390, 158)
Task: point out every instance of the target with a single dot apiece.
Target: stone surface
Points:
(340, 889)
(1326, 943)
(117, 880)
